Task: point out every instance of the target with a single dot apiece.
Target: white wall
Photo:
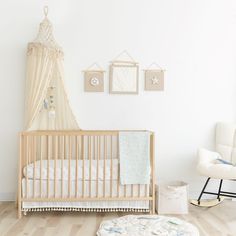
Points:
(195, 41)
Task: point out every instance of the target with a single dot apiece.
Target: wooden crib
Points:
(77, 171)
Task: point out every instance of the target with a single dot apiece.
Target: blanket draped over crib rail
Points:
(134, 157)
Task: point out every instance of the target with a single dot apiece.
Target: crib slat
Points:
(90, 165)
(48, 154)
(98, 156)
(55, 164)
(80, 161)
(34, 161)
(104, 166)
(94, 160)
(30, 159)
(94, 148)
(62, 164)
(27, 165)
(76, 168)
(69, 168)
(118, 174)
(41, 168)
(111, 166)
(83, 157)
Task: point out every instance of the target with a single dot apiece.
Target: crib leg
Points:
(16, 202)
(153, 206)
(18, 205)
(19, 214)
(19, 211)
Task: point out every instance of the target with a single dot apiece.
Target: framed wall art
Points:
(124, 76)
(94, 79)
(154, 78)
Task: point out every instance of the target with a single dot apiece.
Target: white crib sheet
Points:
(28, 170)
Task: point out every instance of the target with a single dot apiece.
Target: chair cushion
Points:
(207, 166)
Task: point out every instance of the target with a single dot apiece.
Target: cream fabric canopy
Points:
(47, 106)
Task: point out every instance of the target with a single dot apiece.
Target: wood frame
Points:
(57, 142)
(123, 64)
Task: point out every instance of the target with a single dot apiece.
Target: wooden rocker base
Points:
(208, 203)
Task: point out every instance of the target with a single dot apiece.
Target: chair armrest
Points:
(205, 156)
(208, 167)
(206, 159)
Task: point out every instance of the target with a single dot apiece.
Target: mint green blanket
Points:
(134, 150)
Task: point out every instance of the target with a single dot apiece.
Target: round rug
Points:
(146, 225)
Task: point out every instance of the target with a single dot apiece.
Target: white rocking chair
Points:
(218, 164)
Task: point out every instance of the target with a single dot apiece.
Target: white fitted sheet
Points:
(28, 170)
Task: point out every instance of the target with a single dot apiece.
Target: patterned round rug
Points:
(146, 225)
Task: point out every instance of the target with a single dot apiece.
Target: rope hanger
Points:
(94, 67)
(45, 11)
(155, 65)
(117, 60)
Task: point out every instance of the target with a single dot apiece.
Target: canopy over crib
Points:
(46, 106)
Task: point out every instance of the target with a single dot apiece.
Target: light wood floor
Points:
(217, 221)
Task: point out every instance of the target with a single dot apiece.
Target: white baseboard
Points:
(6, 197)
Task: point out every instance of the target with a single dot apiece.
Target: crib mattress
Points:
(90, 190)
(60, 168)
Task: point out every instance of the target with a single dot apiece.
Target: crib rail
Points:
(70, 166)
